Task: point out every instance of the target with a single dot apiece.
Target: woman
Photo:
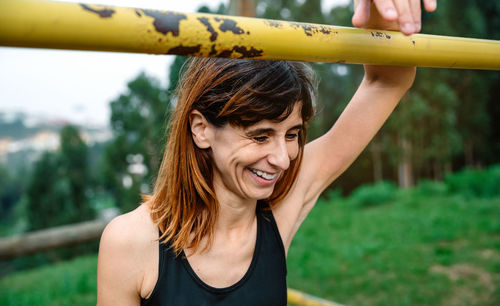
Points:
(237, 179)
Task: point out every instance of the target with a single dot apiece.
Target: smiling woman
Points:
(237, 180)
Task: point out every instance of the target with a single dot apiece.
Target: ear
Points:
(200, 129)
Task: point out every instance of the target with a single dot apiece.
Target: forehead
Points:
(295, 118)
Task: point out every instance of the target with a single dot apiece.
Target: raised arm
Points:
(378, 94)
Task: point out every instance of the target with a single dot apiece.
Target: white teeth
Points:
(264, 174)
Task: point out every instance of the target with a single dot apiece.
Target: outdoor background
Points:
(414, 221)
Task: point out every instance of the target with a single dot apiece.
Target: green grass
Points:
(425, 246)
(67, 283)
(413, 250)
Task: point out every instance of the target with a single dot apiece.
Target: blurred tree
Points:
(138, 120)
(469, 111)
(57, 189)
(75, 169)
(49, 195)
(11, 189)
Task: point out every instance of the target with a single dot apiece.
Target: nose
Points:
(279, 156)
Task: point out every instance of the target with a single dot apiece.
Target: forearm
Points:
(329, 156)
(378, 94)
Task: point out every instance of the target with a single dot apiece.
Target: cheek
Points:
(293, 150)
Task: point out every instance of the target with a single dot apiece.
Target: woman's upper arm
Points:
(329, 156)
(118, 266)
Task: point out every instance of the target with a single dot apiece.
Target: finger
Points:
(386, 9)
(417, 14)
(361, 13)
(430, 5)
(405, 19)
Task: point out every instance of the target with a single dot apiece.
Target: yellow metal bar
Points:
(302, 299)
(46, 24)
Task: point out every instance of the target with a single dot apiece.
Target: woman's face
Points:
(249, 161)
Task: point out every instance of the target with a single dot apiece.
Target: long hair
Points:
(225, 91)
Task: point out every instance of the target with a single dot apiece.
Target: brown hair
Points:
(225, 91)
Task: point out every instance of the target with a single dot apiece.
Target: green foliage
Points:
(75, 170)
(431, 188)
(373, 195)
(10, 191)
(138, 120)
(49, 202)
(56, 190)
(442, 249)
(475, 183)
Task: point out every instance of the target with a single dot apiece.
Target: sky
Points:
(77, 86)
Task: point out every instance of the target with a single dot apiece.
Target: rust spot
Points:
(209, 27)
(245, 53)
(103, 13)
(310, 29)
(325, 30)
(159, 39)
(213, 52)
(184, 50)
(274, 23)
(165, 22)
(413, 42)
(307, 29)
(340, 62)
(229, 25)
(225, 53)
(380, 35)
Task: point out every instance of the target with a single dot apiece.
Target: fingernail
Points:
(391, 13)
(432, 5)
(407, 27)
(418, 26)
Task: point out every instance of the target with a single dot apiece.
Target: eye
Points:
(260, 139)
(291, 136)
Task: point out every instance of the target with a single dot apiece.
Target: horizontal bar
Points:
(296, 297)
(55, 237)
(48, 239)
(60, 25)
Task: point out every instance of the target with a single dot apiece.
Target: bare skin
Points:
(128, 255)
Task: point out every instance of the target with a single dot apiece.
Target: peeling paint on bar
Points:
(162, 32)
(103, 12)
(165, 22)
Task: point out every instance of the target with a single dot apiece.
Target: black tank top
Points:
(264, 283)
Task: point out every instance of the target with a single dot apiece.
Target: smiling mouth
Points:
(264, 175)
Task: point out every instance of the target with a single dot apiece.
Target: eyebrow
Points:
(260, 131)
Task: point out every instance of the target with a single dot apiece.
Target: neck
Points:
(235, 214)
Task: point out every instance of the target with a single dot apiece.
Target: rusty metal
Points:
(59, 25)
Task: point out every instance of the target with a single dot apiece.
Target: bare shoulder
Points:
(131, 230)
(127, 248)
